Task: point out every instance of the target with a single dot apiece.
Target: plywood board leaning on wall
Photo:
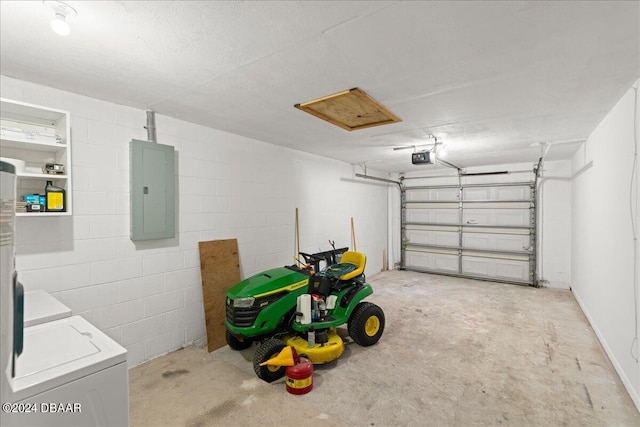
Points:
(220, 269)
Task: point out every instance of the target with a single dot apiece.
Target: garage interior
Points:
(454, 352)
(496, 197)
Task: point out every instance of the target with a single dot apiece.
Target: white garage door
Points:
(477, 226)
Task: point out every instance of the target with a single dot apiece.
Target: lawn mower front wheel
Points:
(267, 350)
(237, 343)
(366, 324)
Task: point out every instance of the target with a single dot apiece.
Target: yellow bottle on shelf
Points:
(55, 198)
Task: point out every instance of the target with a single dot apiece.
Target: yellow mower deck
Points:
(320, 353)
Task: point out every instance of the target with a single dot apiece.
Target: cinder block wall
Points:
(147, 295)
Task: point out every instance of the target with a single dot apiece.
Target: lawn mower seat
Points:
(356, 258)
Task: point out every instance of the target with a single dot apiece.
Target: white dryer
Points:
(70, 374)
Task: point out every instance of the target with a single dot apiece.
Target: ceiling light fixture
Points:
(406, 147)
(433, 148)
(61, 11)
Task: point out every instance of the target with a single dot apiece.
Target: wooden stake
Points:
(353, 235)
(297, 253)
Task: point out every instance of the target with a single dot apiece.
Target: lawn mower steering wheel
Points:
(312, 262)
(338, 270)
(309, 259)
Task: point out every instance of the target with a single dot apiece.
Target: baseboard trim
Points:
(625, 380)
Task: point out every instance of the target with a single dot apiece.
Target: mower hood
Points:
(268, 282)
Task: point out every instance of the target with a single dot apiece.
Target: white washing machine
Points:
(41, 307)
(62, 372)
(69, 374)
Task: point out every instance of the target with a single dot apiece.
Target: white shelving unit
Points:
(36, 135)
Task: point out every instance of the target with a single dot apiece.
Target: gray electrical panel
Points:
(152, 190)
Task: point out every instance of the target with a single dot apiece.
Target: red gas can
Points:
(300, 377)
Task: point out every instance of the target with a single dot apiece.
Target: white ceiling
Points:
(487, 78)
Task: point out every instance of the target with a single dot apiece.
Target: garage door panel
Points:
(476, 194)
(440, 216)
(433, 205)
(496, 242)
(475, 266)
(513, 193)
(512, 217)
(497, 193)
(497, 217)
(513, 242)
(434, 227)
(444, 194)
(432, 261)
(496, 268)
(429, 237)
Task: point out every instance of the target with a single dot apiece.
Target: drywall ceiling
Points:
(487, 78)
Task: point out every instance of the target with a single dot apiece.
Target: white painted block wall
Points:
(147, 295)
(602, 264)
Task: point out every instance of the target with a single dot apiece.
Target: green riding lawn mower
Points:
(301, 306)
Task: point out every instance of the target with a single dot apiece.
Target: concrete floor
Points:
(454, 352)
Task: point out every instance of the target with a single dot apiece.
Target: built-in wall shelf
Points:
(32, 136)
(26, 144)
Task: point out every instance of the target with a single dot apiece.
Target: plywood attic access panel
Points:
(220, 269)
(351, 110)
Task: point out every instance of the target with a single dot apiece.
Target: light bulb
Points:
(60, 25)
(61, 11)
